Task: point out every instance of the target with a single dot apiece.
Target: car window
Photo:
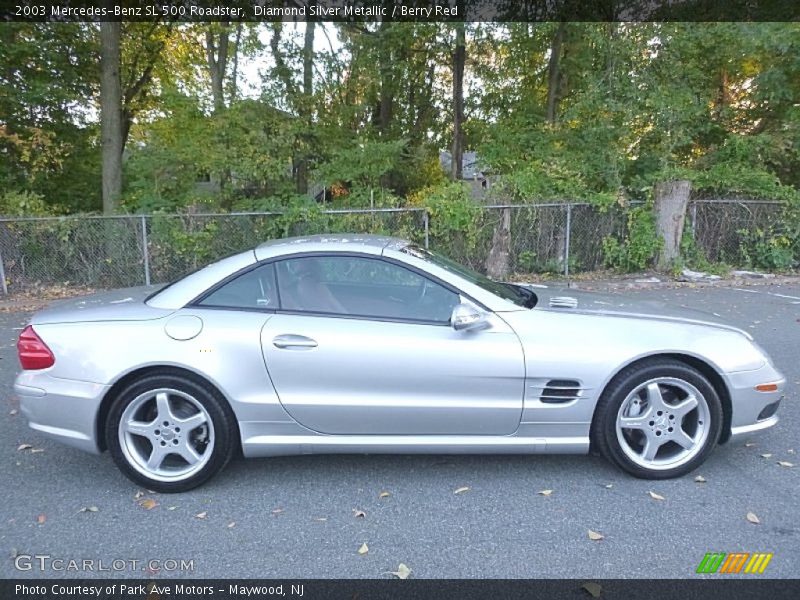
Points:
(253, 289)
(359, 286)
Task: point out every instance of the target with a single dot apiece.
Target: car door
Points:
(363, 345)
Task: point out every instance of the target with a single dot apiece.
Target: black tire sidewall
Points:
(222, 418)
(619, 389)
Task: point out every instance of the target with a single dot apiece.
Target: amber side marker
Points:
(767, 387)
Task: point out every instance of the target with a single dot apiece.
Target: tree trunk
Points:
(306, 107)
(497, 263)
(554, 73)
(671, 200)
(235, 71)
(111, 115)
(217, 58)
(459, 58)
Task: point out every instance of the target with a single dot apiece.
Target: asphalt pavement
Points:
(296, 517)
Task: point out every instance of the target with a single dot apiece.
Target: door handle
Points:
(289, 340)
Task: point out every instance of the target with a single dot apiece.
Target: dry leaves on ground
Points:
(41, 519)
(147, 503)
(402, 571)
(594, 589)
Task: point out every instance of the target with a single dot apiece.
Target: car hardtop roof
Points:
(339, 241)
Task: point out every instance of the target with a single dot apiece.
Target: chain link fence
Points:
(121, 251)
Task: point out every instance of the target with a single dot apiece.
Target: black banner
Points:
(400, 10)
(748, 587)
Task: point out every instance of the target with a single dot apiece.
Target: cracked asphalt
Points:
(294, 517)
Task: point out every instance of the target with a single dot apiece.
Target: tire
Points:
(170, 433)
(646, 424)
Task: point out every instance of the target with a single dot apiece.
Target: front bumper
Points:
(753, 411)
(63, 409)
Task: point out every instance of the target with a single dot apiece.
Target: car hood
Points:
(619, 305)
(126, 304)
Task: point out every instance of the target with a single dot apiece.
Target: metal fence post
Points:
(145, 251)
(694, 220)
(426, 224)
(3, 275)
(566, 240)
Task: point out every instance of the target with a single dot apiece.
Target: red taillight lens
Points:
(33, 352)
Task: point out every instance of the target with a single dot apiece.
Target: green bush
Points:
(636, 251)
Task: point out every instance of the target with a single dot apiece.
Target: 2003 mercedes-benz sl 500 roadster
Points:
(367, 344)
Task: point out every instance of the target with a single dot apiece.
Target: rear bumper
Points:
(62, 409)
(753, 411)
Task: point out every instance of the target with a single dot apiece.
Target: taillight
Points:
(33, 352)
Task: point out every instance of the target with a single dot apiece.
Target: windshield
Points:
(517, 294)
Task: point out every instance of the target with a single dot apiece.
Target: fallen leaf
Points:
(785, 463)
(363, 549)
(89, 509)
(201, 515)
(41, 519)
(594, 589)
(384, 494)
(232, 524)
(545, 492)
(593, 535)
(766, 455)
(359, 513)
(655, 496)
(277, 511)
(148, 503)
(22, 447)
(461, 490)
(402, 571)
(36, 450)
(753, 518)
(700, 479)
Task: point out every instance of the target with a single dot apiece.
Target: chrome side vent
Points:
(563, 302)
(558, 391)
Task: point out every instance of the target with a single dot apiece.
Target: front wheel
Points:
(169, 433)
(658, 420)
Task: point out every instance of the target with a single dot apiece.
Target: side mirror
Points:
(466, 317)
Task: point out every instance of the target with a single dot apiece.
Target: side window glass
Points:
(255, 289)
(366, 287)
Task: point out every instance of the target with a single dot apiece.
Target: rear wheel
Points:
(658, 419)
(170, 433)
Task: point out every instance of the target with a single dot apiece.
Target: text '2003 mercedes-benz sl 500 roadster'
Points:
(367, 344)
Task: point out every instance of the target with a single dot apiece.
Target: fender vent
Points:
(558, 391)
(563, 302)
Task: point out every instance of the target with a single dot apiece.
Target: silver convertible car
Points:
(366, 344)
